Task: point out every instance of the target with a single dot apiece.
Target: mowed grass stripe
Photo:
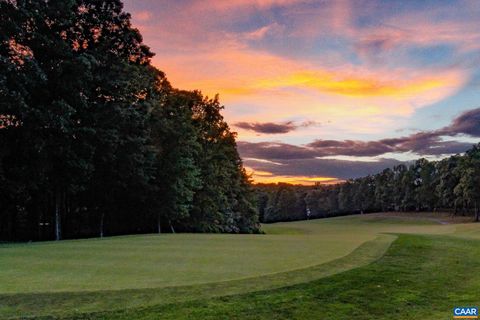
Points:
(30, 305)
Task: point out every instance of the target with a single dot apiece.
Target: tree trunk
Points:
(58, 226)
(102, 218)
(64, 213)
(13, 225)
(171, 227)
(476, 213)
(159, 228)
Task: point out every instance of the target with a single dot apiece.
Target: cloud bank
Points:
(284, 159)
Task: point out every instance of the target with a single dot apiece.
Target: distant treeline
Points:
(95, 141)
(452, 184)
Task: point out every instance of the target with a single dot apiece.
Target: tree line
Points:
(451, 184)
(95, 141)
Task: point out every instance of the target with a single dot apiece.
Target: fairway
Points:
(153, 261)
(94, 275)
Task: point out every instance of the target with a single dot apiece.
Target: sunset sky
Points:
(326, 90)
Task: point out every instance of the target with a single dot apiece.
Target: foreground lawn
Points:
(420, 277)
(292, 272)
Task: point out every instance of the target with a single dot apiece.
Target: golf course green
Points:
(364, 266)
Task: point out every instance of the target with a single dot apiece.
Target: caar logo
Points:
(465, 313)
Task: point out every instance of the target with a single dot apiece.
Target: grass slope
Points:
(66, 303)
(291, 254)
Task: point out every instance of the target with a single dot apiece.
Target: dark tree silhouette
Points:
(94, 141)
(451, 184)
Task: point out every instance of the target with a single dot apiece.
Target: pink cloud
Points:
(142, 16)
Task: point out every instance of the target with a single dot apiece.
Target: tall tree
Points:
(468, 187)
(448, 178)
(384, 190)
(174, 137)
(224, 203)
(426, 182)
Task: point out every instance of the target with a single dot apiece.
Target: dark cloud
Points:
(423, 144)
(274, 150)
(340, 169)
(426, 144)
(290, 160)
(467, 123)
(349, 148)
(267, 127)
(307, 160)
(273, 128)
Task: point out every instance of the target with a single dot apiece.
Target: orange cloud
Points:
(308, 181)
(343, 102)
(329, 82)
(236, 71)
(268, 177)
(202, 51)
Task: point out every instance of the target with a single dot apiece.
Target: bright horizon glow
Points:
(268, 177)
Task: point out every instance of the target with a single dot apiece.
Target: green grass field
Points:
(364, 267)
